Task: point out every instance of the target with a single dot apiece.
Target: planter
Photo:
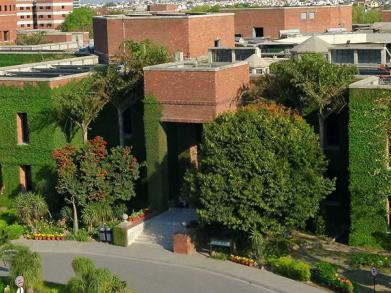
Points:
(183, 244)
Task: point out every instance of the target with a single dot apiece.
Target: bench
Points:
(220, 243)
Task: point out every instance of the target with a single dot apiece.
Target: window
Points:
(47, 7)
(344, 56)
(25, 179)
(22, 16)
(311, 15)
(127, 127)
(41, 25)
(49, 25)
(369, 56)
(28, 25)
(49, 16)
(28, 16)
(22, 25)
(258, 32)
(28, 8)
(5, 7)
(22, 128)
(64, 15)
(41, 16)
(63, 7)
(6, 36)
(238, 35)
(0, 8)
(40, 7)
(21, 8)
(217, 43)
(303, 16)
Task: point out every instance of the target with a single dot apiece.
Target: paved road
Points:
(155, 270)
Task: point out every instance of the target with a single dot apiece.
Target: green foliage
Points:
(80, 19)
(89, 279)
(120, 234)
(276, 246)
(362, 15)
(10, 59)
(23, 262)
(258, 244)
(370, 259)
(96, 214)
(260, 168)
(219, 255)
(81, 236)
(45, 135)
(80, 101)
(31, 39)
(30, 208)
(156, 153)
(291, 268)
(14, 231)
(369, 177)
(242, 5)
(325, 270)
(204, 8)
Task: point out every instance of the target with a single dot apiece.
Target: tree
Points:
(124, 81)
(310, 83)
(32, 39)
(363, 15)
(205, 8)
(260, 169)
(80, 19)
(92, 174)
(80, 101)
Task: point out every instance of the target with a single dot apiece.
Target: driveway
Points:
(152, 269)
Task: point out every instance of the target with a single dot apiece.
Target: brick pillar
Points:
(182, 244)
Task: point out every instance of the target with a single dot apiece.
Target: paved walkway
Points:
(149, 269)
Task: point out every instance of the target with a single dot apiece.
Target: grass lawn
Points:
(16, 59)
(312, 249)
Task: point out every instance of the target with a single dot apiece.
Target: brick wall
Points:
(272, 20)
(196, 96)
(386, 15)
(192, 35)
(162, 7)
(7, 20)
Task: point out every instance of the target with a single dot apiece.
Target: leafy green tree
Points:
(92, 174)
(260, 169)
(363, 15)
(31, 39)
(79, 102)
(80, 19)
(30, 208)
(310, 84)
(124, 81)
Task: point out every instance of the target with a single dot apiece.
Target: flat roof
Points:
(286, 7)
(194, 66)
(371, 46)
(157, 15)
(372, 82)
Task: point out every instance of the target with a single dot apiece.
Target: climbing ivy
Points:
(369, 177)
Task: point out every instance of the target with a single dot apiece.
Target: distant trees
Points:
(363, 15)
(205, 8)
(80, 19)
(260, 168)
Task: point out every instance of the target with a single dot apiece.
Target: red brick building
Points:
(190, 34)
(195, 93)
(42, 14)
(269, 22)
(162, 7)
(7, 21)
(386, 15)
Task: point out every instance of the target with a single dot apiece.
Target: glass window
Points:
(369, 56)
(303, 16)
(344, 56)
(311, 15)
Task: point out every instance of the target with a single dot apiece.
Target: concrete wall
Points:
(275, 19)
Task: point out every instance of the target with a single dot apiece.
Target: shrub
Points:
(30, 208)
(276, 246)
(81, 235)
(326, 274)
(89, 279)
(14, 232)
(290, 268)
(369, 259)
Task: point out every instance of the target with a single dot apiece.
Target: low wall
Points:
(126, 233)
(65, 46)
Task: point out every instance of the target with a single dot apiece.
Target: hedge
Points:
(291, 268)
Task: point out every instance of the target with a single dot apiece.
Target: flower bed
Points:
(39, 236)
(325, 274)
(243, 260)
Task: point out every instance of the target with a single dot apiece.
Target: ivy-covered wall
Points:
(44, 137)
(369, 177)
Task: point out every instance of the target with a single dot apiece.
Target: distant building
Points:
(76, 3)
(191, 34)
(162, 7)
(273, 22)
(42, 14)
(7, 21)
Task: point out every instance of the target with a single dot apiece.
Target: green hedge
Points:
(291, 268)
(45, 136)
(16, 59)
(369, 178)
